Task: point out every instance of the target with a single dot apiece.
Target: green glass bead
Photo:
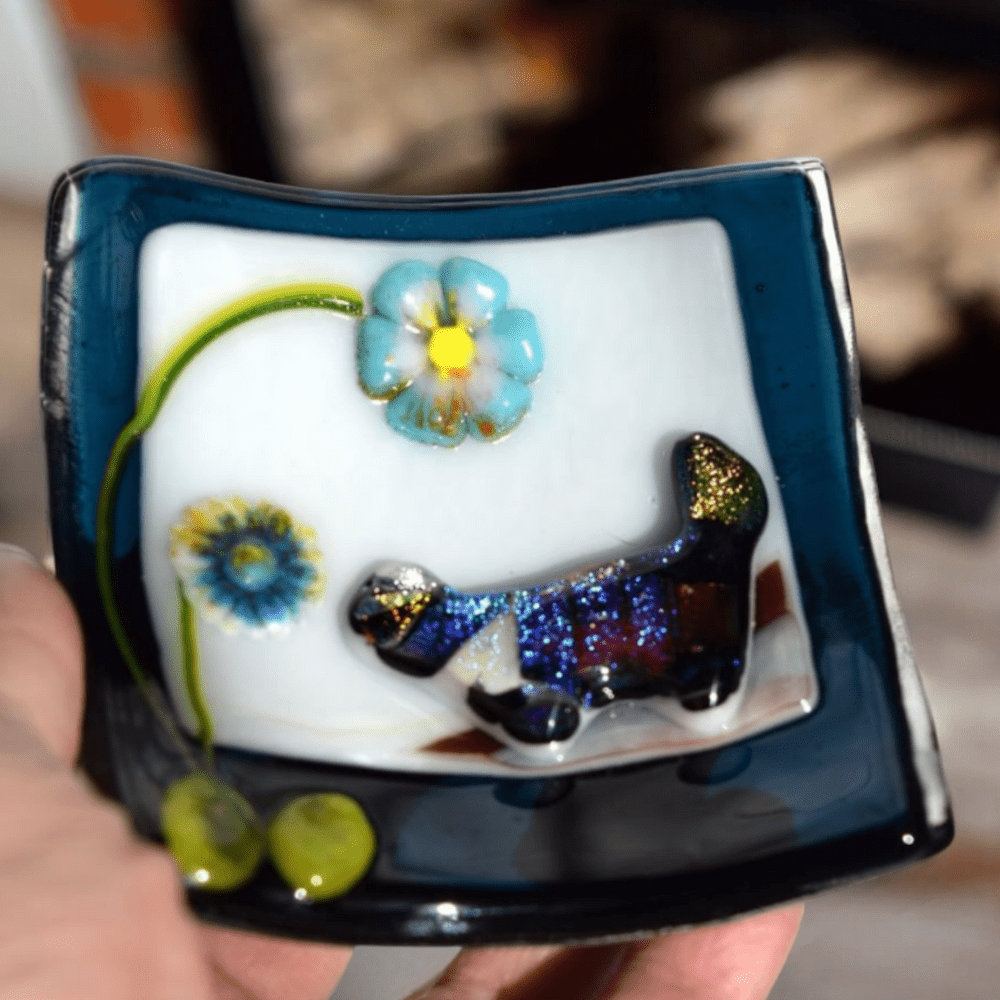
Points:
(322, 845)
(212, 832)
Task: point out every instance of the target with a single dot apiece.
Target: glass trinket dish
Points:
(483, 569)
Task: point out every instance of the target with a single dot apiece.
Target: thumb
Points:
(41, 656)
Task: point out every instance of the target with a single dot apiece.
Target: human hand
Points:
(87, 912)
(734, 961)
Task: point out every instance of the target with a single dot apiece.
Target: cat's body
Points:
(672, 622)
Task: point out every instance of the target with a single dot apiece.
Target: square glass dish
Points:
(498, 568)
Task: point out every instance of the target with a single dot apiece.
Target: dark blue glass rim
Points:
(206, 197)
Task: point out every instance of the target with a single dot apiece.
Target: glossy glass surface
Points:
(848, 789)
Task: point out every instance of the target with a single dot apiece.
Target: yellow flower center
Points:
(451, 349)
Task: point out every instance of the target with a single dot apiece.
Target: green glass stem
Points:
(337, 298)
(192, 674)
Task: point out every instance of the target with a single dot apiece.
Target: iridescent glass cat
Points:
(672, 622)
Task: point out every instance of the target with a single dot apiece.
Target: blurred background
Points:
(900, 98)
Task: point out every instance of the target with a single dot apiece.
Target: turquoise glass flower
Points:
(446, 353)
(246, 566)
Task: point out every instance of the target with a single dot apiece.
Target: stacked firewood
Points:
(914, 160)
(401, 95)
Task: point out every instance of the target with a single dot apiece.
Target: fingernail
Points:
(12, 553)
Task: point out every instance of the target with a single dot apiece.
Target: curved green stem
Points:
(192, 674)
(338, 298)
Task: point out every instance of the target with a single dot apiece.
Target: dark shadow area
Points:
(957, 387)
(936, 443)
(231, 90)
(946, 490)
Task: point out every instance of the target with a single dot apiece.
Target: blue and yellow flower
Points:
(246, 566)
(446, 353)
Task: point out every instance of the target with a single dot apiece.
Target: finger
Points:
(266, 968)
(41, 654)
(482, 973)
(735, 961)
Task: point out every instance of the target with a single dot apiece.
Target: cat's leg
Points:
(530, 713)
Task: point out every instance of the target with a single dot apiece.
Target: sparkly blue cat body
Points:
(673, 622)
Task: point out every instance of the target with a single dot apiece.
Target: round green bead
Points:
(212, 832)
(321, 844)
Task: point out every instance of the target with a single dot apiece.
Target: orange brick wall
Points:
(133, 78)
